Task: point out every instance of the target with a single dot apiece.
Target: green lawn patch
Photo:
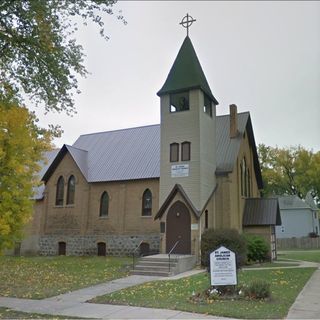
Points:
(175, 294)
(304, 255)
(272, 265)
(42, 277)
(6, 313)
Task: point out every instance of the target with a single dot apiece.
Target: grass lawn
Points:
(42, 277)
(6, 313)
(305, 255)
(272, 265)
(175, 294)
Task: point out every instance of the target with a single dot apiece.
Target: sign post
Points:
(223, 268)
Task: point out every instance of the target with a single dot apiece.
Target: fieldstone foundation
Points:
(116, 245)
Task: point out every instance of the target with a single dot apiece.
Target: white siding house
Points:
(298, 217)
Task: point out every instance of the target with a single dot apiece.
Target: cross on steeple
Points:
(186, 22)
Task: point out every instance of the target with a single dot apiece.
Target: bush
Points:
(257, 289)
(258, 248)
(313, 235)
(229, 238)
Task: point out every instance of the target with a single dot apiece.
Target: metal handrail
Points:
(174, 246)
(133, 253)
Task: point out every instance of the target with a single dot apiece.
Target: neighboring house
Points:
(299, 217)
(153, 186)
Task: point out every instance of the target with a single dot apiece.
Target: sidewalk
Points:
(307, 304)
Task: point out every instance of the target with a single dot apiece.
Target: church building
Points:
(158, 186)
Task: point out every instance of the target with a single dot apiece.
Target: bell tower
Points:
(188, 129)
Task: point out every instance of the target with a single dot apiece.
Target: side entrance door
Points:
(178, 228)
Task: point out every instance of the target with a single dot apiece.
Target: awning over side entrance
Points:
(261, 212)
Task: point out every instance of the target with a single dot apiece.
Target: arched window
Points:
(243, 178)
(174, 152)
(60, 192)
(248, 183)
(71, 190)
(147, 203)
(104, 204)
(185, 151)
(206, 219)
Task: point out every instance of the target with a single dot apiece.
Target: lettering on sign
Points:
(194, 226)
(223, 270)
(179, 170)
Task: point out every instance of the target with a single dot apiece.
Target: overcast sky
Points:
(262, 56)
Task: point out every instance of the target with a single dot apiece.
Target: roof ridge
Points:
(116, 130)
(228, 114)
(68, 145)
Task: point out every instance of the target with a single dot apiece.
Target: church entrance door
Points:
(178, 228)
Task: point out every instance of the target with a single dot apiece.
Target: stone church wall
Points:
(116, 245)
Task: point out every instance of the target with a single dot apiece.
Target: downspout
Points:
(200, 239)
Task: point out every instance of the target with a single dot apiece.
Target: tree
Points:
(39, 59)
(39, 54)
(293, 170)
(21, 146)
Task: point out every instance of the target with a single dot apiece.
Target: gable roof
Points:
(78, 155)
(291, 202)
(46, 161)
(134, 153)
(310, 201)
(176, 189)
(186, 73)
(261, 212)
(44, 164)
(228, 149)
(179, 189)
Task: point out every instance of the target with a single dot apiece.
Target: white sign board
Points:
(194, 226)
(179, 170)
(223, 268)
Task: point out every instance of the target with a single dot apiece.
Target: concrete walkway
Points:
(307, 304)
(73, 304)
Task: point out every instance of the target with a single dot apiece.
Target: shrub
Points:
(258, 248)
(313, 235)
(212, 239)
(257, 289)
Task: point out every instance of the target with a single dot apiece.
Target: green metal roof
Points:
(186, 73)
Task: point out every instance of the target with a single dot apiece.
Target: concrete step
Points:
(150, 273)
(152, 268)
(164, 260)
(156, 263)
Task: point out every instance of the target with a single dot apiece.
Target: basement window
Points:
(179, 101)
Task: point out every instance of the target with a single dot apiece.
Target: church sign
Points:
(179, 170)
(223, 269)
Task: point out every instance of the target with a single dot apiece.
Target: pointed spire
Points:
(186, 73)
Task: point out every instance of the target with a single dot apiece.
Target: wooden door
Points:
(178, 228)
